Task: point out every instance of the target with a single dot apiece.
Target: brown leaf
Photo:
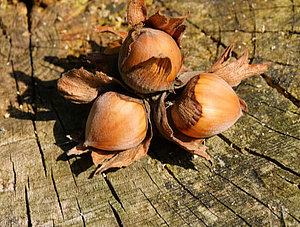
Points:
(99, 156)
(192, 145)
(223, 59)
(183, 78)
(235, 72)
(243, 105)
(137, 12)
(172, 25)
(80, 86)
(121, 34)
(78, 150)
(125, 158)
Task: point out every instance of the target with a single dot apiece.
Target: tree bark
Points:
(255, 179)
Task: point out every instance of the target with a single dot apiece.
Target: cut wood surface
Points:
(255, 178)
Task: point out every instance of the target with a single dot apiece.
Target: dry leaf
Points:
(235, 72)
(80, 86)
(172, 25)
(99, 156)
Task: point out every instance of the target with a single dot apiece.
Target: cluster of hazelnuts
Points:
(152, 88)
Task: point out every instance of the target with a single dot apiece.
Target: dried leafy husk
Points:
(235, 72)
(163, 125)
(137, 14)
(126, 157)
(80, 86)
(172, 25)
(99, 156)
(183, 78)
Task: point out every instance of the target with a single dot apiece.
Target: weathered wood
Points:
(255, 179)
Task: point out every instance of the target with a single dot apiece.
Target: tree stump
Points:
(255, 178)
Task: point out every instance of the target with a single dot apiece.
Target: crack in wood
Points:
(113, 191)
(272, 160)
(116, 215)
(293, 13)
(10, 48)
(248, 194)
(73, 176)
(156, 211)
(255, 31)
(39, 145)
(80, 212)
(58, 117)
(282, 110)
(289, 181)
(200, 219)
(29, 222)
(296, 219)
(229, 208)
(65, 132)
(279, 63)
(57, 195)
(170, 207)
(14, 173)
(218, 44)
(29, 5)
(282, 222)
(281, 90)
(272, 129)
(28, 182)
(149, 175)
(188, 191)
(3, 27)
(253, 34)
